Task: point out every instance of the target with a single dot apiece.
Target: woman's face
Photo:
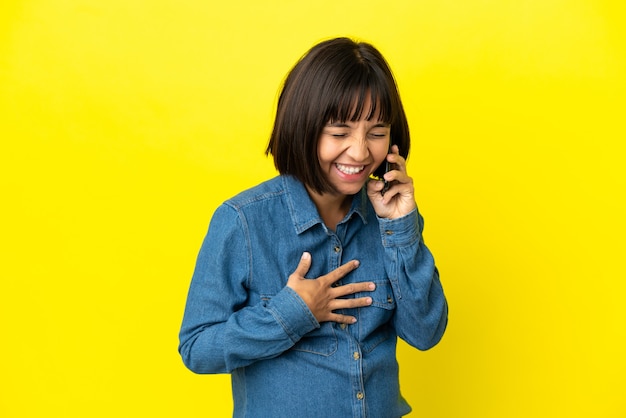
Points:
(349, 152)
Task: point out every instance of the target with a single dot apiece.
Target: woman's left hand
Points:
(399, 199)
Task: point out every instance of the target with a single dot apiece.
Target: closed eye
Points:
(336, 134)
(378, 134)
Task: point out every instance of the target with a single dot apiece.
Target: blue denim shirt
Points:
(240, 318)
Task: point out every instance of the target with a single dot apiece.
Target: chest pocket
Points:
(382, 296)
(374, 321)
(322, 341)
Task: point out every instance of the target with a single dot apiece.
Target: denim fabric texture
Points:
(240, 317)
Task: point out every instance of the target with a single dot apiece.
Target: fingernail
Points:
(372, 286)
(306, 256)
(369, 301)
(353, 320)
(356, 263)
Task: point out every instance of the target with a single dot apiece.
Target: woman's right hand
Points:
(322, 297)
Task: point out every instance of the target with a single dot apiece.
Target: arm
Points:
(421, 307)
(222, 330)
(219, 332)
(422, 310)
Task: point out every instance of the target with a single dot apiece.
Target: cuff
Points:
(400, 231)
(292, 313)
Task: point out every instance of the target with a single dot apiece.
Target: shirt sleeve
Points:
(219, 332)
(421, 307)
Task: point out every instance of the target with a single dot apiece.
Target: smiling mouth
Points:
(351, 170)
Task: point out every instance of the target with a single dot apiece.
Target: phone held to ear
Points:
(378, 174)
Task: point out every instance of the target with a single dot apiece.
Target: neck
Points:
(332, 207)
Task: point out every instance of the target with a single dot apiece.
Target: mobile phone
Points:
(378, 174)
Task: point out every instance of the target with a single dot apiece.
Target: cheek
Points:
(326, 152)
(379, 151)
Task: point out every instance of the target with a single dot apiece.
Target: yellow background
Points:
(123, 124)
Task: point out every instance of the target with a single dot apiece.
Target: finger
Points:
(303, 265)
(402, 190)
(339, 272)
(350, 303)
(342, 319)
(374, 187)
(398, 176)
(398, 161)
(351, 288)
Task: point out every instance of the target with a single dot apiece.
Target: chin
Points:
(350, 190)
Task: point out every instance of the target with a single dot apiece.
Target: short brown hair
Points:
(331, 82)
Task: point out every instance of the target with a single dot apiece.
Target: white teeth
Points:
(349, 169)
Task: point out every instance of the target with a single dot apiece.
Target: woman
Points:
(304, 282)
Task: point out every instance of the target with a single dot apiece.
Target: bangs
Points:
(361, 96)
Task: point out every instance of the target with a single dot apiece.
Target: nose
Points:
(358, 150)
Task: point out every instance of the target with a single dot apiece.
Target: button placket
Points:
(335, 254)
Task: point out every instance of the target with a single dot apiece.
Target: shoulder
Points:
(236, 211)
(267, 190)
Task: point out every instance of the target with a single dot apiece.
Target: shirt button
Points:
(359, 395)
(356, 355)
(389, 232)
(337, 248)
(389, 299)
(343, 326)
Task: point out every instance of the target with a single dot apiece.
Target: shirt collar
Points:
(304, 214)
